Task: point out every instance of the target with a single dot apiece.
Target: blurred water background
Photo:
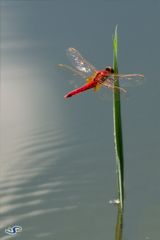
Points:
(57, 156)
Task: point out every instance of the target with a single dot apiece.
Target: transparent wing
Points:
(125, 80)
(129, 80)
(80, 63)
(110, 84)
(74, 71)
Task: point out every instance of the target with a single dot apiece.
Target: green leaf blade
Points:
(118, 125)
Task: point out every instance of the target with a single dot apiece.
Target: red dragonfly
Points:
(94, 78)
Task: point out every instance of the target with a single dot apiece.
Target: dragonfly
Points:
(95, 79)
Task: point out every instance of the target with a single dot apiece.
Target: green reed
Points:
(118, 126)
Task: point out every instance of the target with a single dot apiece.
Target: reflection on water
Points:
(31, 188)
(57, 161)
(48, 186)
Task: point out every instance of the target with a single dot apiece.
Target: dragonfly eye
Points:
(109, 69)
(112, 71)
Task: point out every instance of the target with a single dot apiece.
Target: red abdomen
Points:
(85, 87)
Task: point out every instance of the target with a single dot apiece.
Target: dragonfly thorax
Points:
(102, 75)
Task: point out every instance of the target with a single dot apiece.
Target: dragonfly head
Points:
(109, 69)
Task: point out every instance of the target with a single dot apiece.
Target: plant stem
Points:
(118, 126)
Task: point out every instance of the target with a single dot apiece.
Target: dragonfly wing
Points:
(80, 63)
(109, 83)
(128, 80)
(73, 70)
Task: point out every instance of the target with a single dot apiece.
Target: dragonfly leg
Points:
(110, 80)
(110, 86)
(119, 88)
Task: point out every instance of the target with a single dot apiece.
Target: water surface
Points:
(57, 156)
